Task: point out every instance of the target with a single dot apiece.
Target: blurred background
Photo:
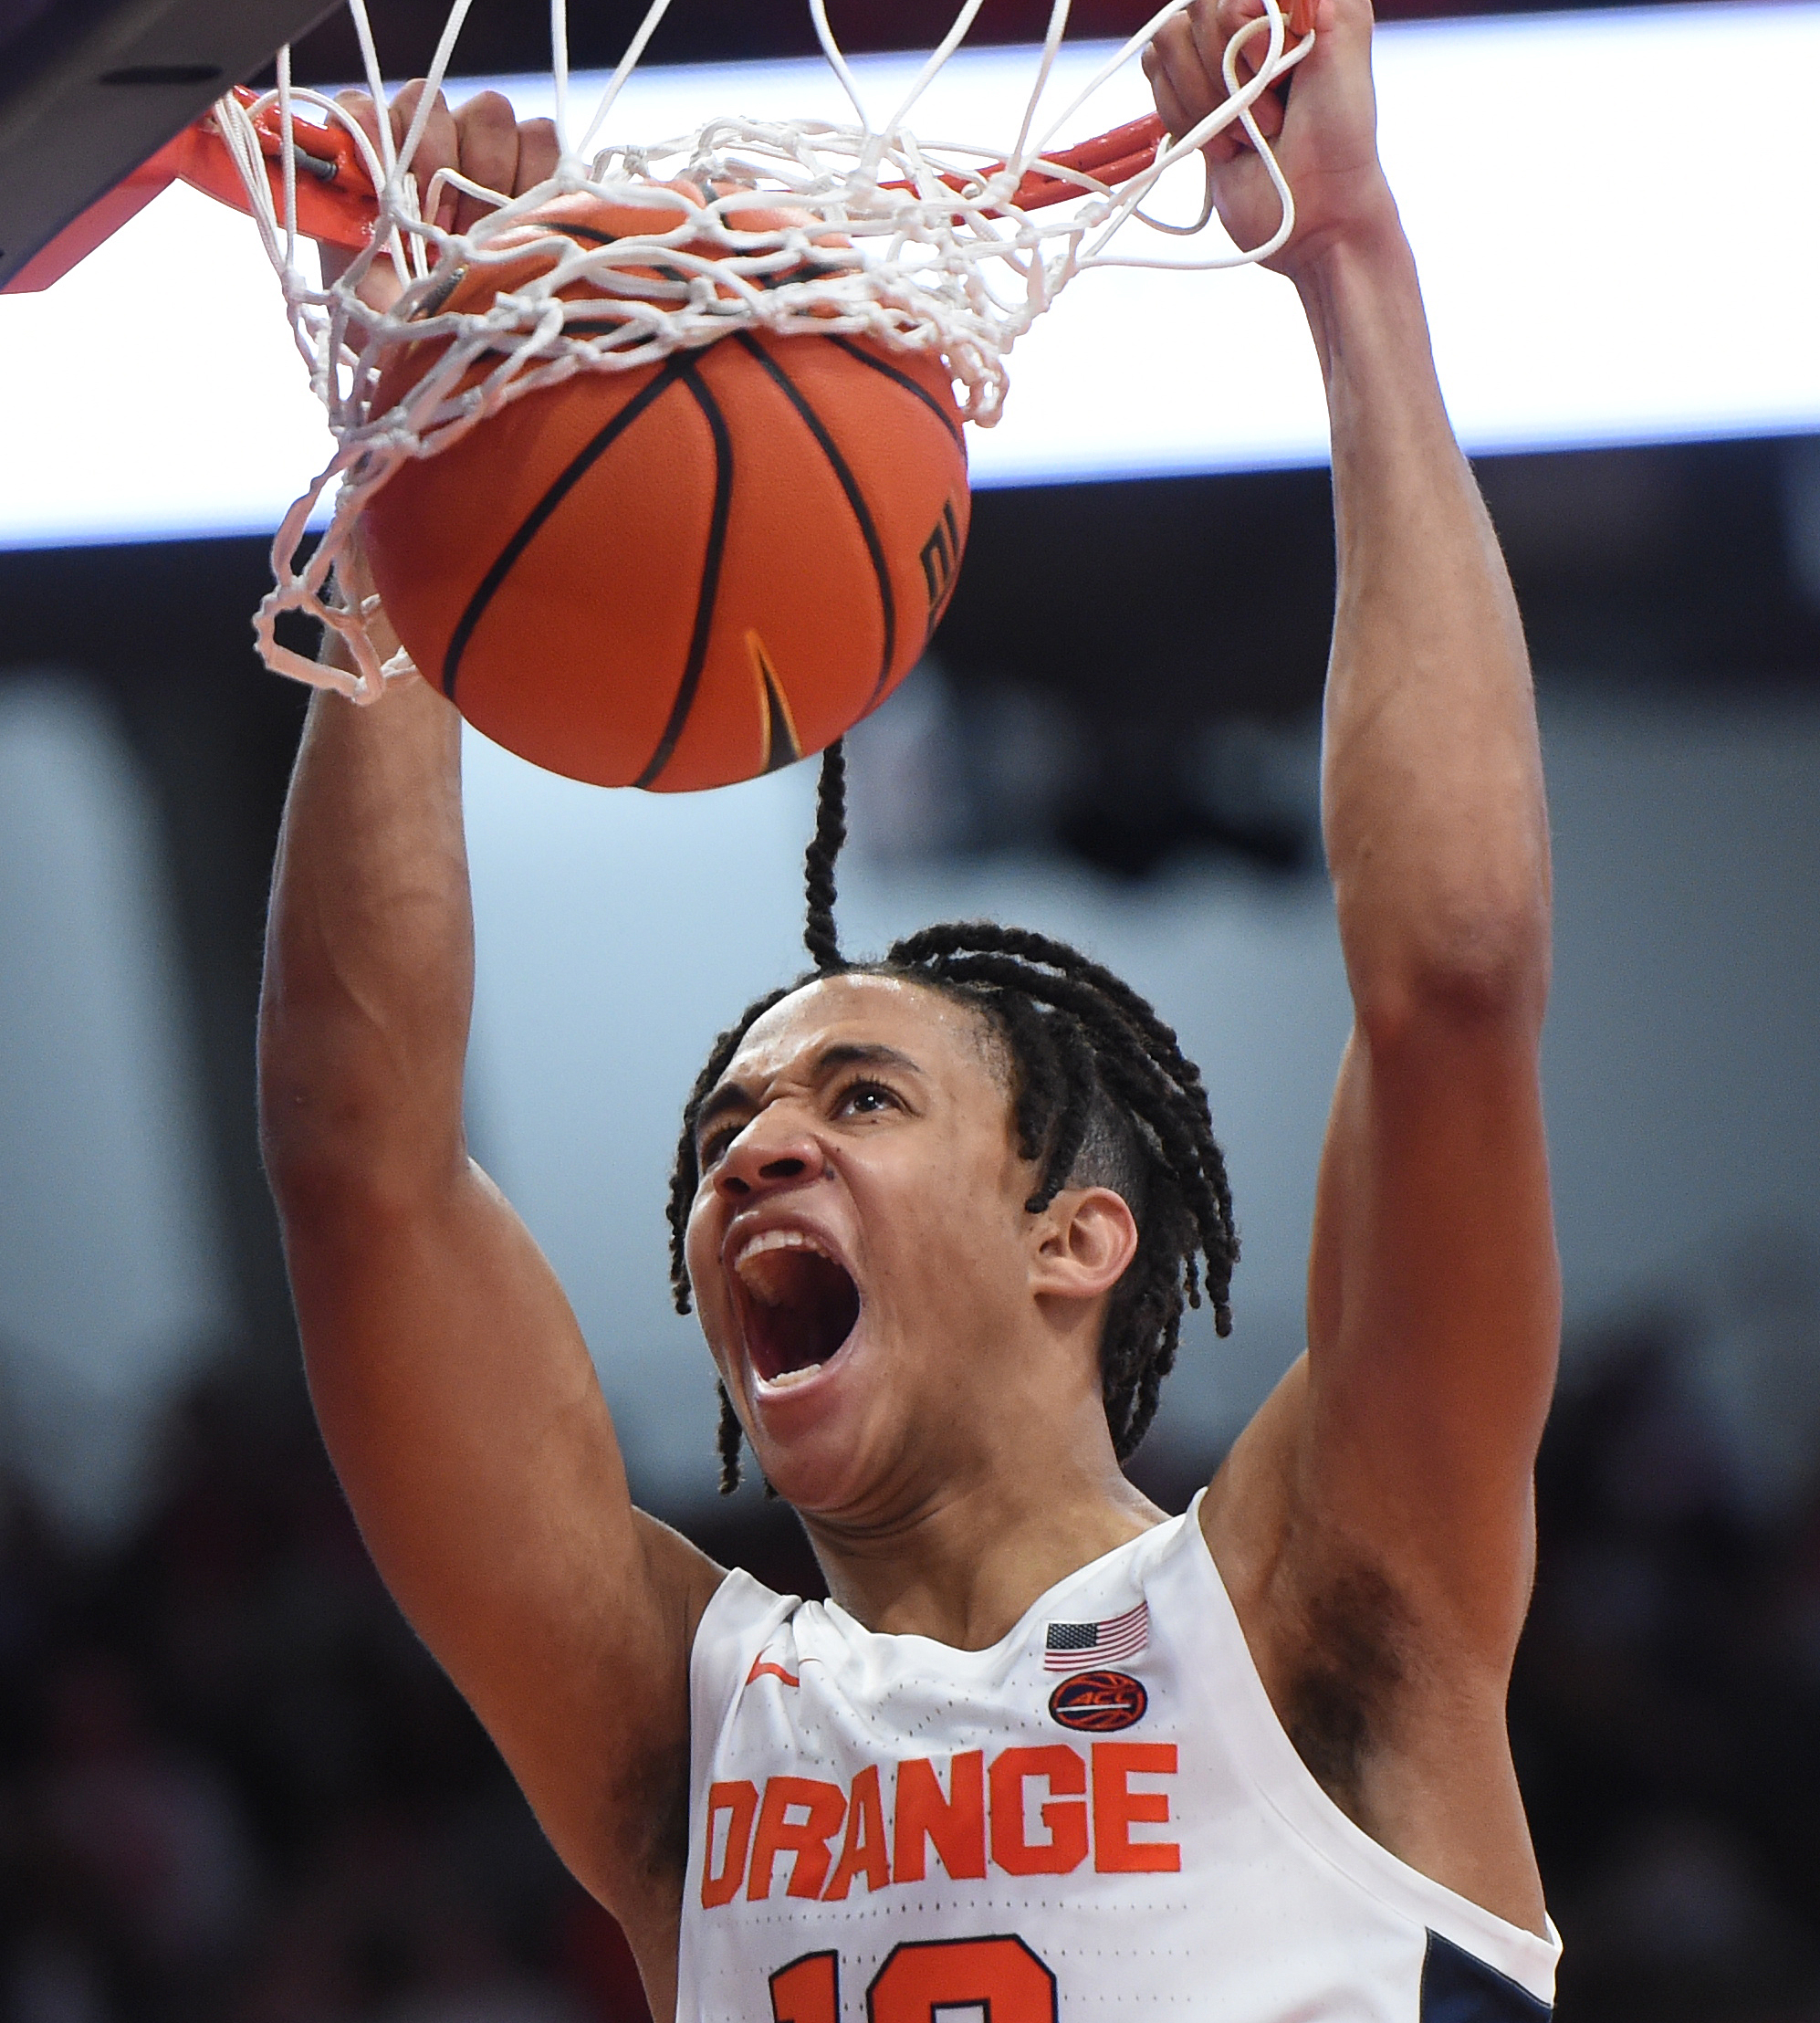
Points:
(231, 1784)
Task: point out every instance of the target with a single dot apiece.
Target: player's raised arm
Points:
(1375, 1524)
(451, 1380)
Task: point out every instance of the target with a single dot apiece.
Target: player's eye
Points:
(866, 1099)
(714, 1143)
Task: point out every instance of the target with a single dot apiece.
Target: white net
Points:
(865, 227)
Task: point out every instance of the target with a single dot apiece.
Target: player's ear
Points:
(1084, 1239)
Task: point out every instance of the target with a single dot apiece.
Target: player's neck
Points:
(973, 1555)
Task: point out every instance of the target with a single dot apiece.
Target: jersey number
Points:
(1000, 1977)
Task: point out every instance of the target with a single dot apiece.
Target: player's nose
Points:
(772, 1153)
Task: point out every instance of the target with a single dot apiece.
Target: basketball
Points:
(683, 574)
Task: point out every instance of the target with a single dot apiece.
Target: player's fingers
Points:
(1213, 28)
(1239, 15)
(1226, 19)
(361, 110)
(380, 288)
(537, 154)
(1180, 118)
(1236, 17)
(1170, 109)
(487, 150)
(1268, 111)
(1187, 88)
(1176, 69)
(437, 148)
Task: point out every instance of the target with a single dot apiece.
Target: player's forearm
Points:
(369, 957)
(1432, 800)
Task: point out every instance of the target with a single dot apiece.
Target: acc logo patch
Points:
(1098, 1703)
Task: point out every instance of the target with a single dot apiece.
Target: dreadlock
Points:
(1101, 1096)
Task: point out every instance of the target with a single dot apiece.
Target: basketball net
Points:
(885, 235)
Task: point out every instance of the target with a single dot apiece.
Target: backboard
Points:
(89, 88)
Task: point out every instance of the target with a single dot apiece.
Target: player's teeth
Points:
(775, 1240)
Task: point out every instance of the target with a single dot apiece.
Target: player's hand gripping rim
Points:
(1319, 123)
(460, 154)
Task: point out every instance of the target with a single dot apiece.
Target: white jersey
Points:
(1098, 1817)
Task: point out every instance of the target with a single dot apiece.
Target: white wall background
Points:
(111, 1280)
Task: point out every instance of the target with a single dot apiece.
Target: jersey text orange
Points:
(1081, 1804)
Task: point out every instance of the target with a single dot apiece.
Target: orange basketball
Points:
(684, 575)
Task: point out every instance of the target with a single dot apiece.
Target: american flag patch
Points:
(1073, 1646)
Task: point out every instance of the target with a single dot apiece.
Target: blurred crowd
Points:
(232, 1785)
(1666, 1708)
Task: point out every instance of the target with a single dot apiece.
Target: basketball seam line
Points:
(855, 499)
(532, 523)
(710, 583)
(905, 380)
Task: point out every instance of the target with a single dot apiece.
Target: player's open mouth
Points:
(800, 1305)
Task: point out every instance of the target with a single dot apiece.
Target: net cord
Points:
(837, 62)
(616, 84)
(1051, 45)
(867, 231)
(559, 71)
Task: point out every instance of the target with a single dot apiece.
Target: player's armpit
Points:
(1374, 1525)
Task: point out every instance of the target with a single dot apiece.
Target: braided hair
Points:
(1101, 1096)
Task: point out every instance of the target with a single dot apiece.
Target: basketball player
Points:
(1045, 1753)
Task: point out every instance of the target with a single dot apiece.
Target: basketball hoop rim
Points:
(951, 248)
